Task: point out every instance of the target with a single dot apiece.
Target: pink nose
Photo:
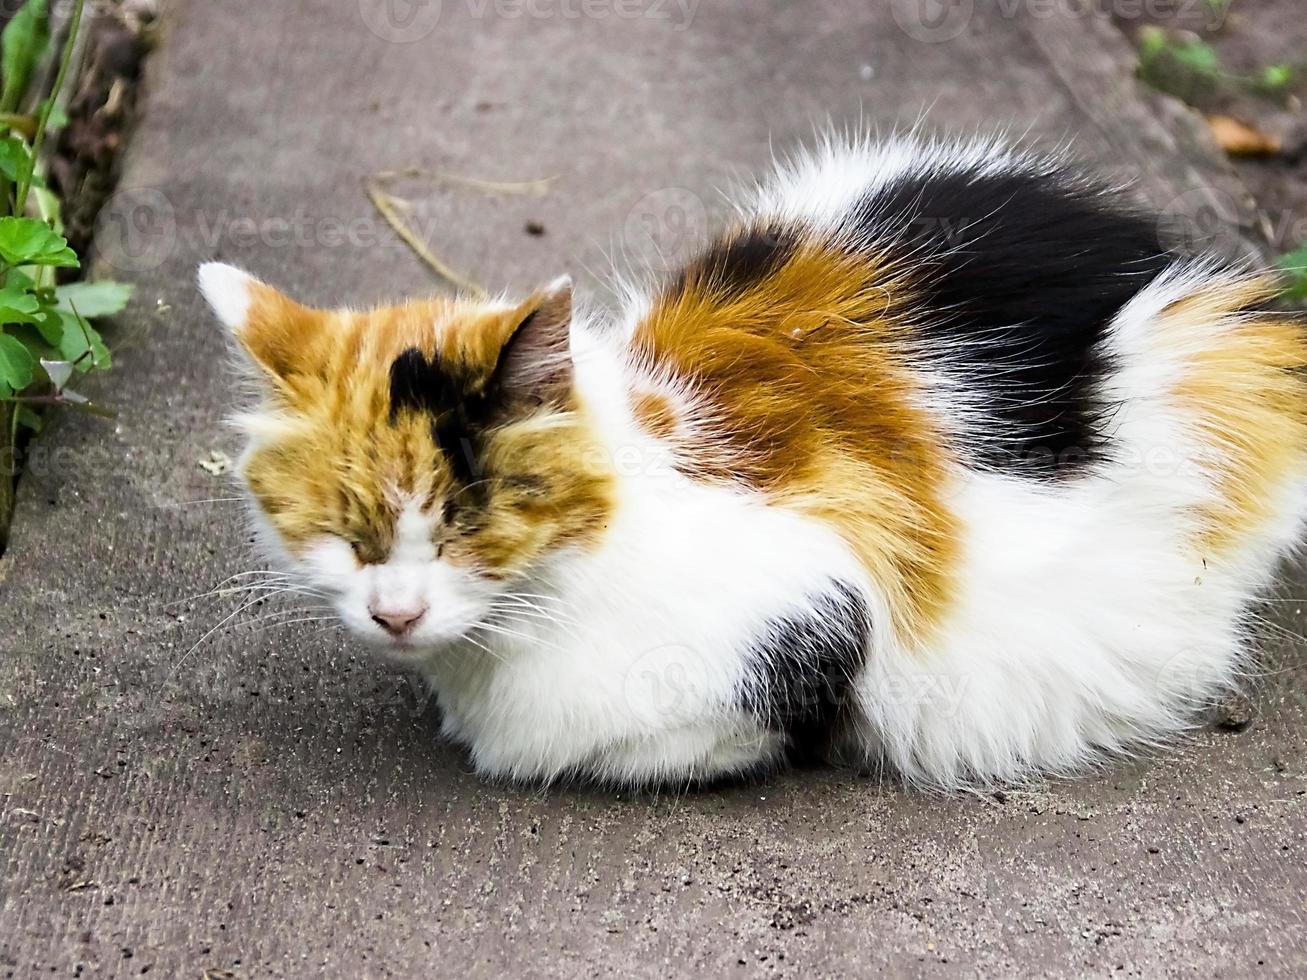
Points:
(397, 622)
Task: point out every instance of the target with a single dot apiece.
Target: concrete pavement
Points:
(272, 803)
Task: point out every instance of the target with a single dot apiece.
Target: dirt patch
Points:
(101, 111)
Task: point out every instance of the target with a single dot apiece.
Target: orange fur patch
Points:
(807, 393)
(655, 413)
(1248, 395)
(334, 459)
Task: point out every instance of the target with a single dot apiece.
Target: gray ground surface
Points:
(273, 804)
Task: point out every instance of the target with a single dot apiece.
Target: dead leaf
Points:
(1240, 139)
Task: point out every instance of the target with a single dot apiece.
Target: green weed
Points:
(46, 339)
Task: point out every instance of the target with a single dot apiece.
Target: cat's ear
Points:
(278, 334)
(535, 363)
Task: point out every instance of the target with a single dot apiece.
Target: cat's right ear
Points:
(278, 334)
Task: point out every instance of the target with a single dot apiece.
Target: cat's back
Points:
(981, 283)
(1060, 449)
(958, 305)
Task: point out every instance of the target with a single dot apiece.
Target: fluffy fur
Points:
(940, 459)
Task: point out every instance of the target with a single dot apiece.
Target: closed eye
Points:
(366, 552)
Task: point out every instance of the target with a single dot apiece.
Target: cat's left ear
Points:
(535, 363)
(276, 333)
(229, 291)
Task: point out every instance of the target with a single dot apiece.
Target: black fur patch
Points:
(803, 666)
(417, 383)
(1016, 278)
(731, 267)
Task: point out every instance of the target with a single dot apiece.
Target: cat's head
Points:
(414, 462)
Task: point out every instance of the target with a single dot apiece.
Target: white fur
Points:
(1086, 620)
(227, 290)
(820, 187)
(616, 662)
(639, 677)
(451, 600)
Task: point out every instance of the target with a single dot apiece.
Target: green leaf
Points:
(48, 206)
(29, 419)
(1276, 77)
(1294, 265)
(26, 241)
(17, 305)
(78, 337)
(50, 324)
(1197, 55)
(15, 159)
(58, 116)
(17, 366)
(22, 46)
(1182, 65)
(1152, 42)
(92, 299)
(31, 337)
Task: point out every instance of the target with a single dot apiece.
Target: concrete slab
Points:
(271, 803)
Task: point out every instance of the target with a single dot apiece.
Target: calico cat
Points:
(939, 460)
